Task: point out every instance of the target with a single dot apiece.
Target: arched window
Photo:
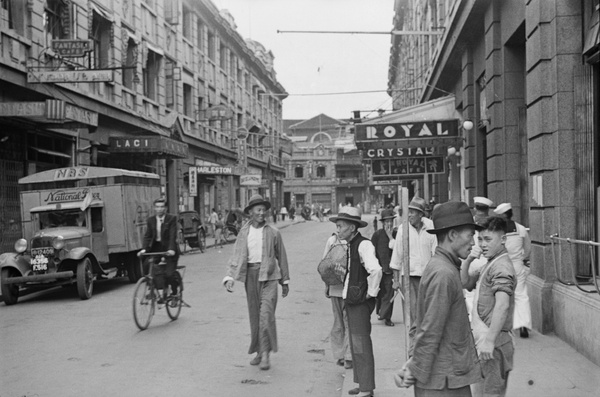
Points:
(321, 171)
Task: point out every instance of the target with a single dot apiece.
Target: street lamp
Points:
(467, 125)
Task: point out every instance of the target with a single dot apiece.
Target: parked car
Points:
(192, 232)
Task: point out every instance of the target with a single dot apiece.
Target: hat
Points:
(502, 208)
(452, 214)
(417, 203)
(349, 214)
(256, 200)
(387, 214)
(483, 201)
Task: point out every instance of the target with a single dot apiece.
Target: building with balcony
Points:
(325, 168)
(160, 86)
(525, 77)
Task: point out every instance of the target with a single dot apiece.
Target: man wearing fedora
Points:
(361, 286)
(381, 241)
(443, 358)
(421, 247)
(259, 260)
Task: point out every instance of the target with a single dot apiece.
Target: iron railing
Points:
(591, 245)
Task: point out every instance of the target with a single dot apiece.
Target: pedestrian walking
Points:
(274, 214)
(477, 261)
(339, 335)
(518, 245)
(283, 212)
(491, 319)
(212, 220)
(443, 358)
(360, 290)
(219, 225)
(421, 247)
(259, 260)
(381, 241)
(292, 213)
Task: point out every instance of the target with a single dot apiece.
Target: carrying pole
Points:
(403, 193)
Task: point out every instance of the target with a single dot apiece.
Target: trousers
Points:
(363, 361)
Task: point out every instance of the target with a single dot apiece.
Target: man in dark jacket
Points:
(381, 240)
(161, 236)
(443, 359)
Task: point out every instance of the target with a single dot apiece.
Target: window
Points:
(100, 35)
(188, 100)
(97, 224)
(222, 55)
(130, 60)
(13, 13)
(200, 35)
(187, 23)
(150, 71)
(299, 172)
(57, 20)
(321, 171)
(170, 83)
(211, 46)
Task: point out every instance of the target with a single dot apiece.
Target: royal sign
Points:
(416, 130)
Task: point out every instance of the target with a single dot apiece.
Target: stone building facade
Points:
(526, 74)
(160, 86)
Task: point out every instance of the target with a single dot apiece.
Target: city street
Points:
(53, 344)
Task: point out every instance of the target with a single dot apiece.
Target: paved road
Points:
(53, 344)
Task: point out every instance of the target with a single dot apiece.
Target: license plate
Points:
(42, 251)
(39, 263)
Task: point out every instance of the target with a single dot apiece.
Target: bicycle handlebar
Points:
(165, 253)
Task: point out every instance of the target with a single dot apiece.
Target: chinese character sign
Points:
(409, 166)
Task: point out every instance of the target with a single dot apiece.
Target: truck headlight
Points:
(58, 242)
(21, 245)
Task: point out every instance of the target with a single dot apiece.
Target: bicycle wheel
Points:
(181, 242)
(144, 300)
(201, 240)
(174, 303)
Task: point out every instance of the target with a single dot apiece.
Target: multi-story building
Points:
(152, 85)
(524, 76)
(325, 167)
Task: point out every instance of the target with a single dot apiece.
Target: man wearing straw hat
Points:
(421, 247)
(381, 241)
(443, 358)
(361, 286)
(259, 260)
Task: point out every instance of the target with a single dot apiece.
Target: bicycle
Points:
(147, 297)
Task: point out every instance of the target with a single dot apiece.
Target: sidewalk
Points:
(544, 365)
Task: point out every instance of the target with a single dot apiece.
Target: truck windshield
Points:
(58, 218)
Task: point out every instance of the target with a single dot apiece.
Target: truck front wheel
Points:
(10, 292)
(85, 279)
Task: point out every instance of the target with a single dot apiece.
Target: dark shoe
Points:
(524, 332)
(340, 362)
(379, 318)
(255, 360)
(389, 323)
(348, 364)
(264, 363)
(354, 391)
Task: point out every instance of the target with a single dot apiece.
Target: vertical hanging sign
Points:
(193, 181)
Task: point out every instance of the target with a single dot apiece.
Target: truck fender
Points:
(79, 253)
(16, 261)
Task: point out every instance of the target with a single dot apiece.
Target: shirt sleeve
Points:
(502, 277)
(396, 246)
(366, 251)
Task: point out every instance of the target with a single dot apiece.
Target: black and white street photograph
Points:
(300, 198)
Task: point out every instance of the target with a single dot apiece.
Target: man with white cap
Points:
(518, 245)
(475, 261)
(421, 247)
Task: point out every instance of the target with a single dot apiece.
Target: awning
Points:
(53, 111)
(429, 124)
(155, 146)
(591, 43)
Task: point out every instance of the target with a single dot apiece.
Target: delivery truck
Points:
(79, 224)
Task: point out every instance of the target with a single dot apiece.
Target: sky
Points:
(308, 64)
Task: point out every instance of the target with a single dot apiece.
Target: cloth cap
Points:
(502, 208)
(483, 201)
(417, 203)
(349, 214)
(452, 214)
(387, 214)
(256, 200)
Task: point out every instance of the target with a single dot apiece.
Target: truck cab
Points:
(80, 223)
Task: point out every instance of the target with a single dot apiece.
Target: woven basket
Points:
(332, 267)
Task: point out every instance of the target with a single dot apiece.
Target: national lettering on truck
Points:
(79, 224)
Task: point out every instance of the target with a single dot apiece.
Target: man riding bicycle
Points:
(161, 236)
